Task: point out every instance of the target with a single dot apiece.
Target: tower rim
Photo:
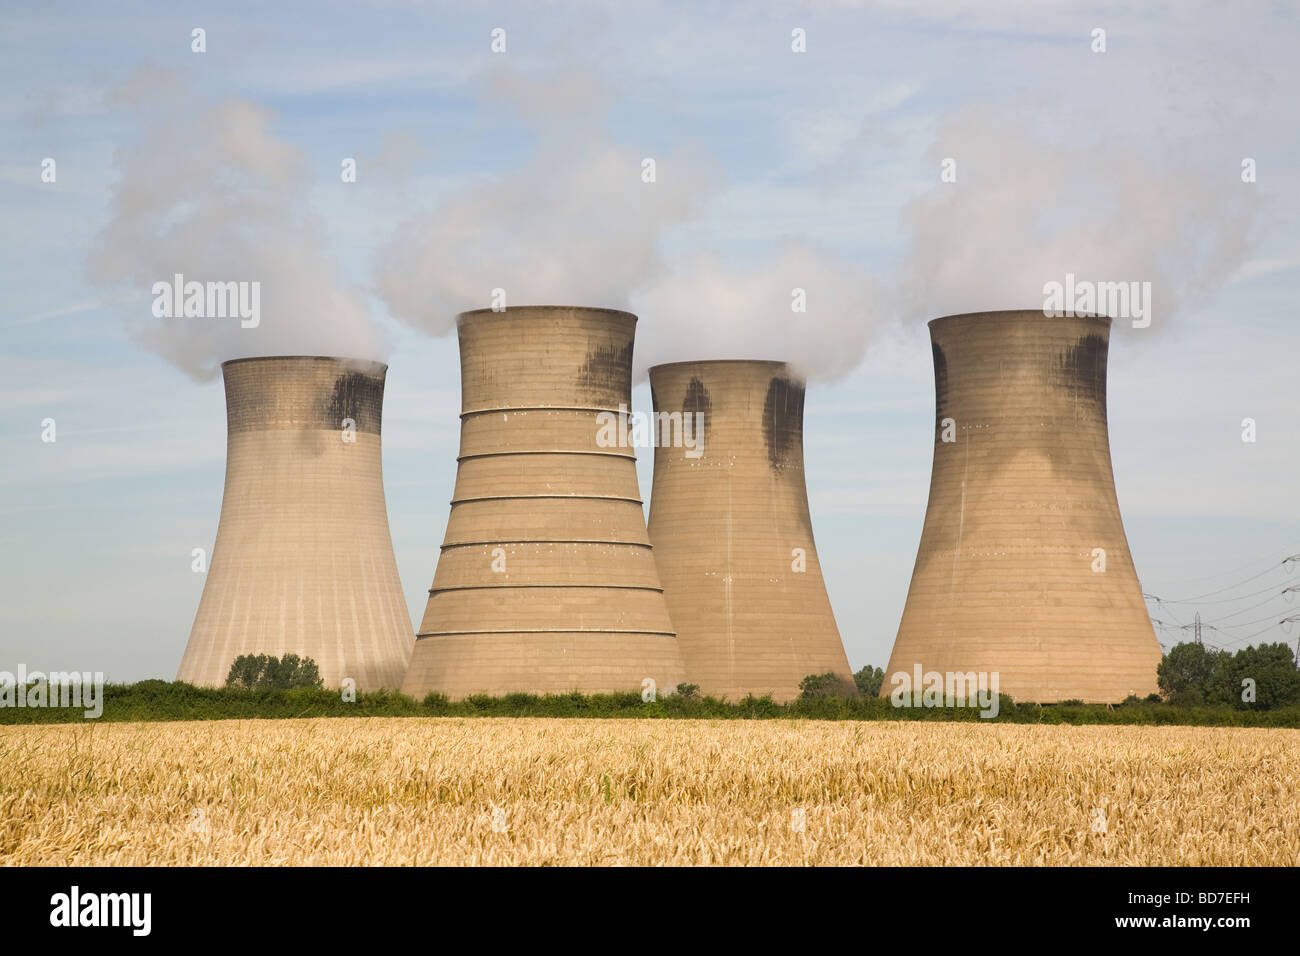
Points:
(772, 363)
(484, 313)
(990, 314)
(372, 364)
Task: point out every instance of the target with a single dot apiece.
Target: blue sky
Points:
(772, 165)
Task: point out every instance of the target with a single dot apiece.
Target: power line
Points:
(1253, 577)
(1283, 592)
(1242, 640)
(1259, 620)
(1221, 574)
(1165, 609)
(1230, 600)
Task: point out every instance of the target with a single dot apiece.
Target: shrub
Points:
(159, 700)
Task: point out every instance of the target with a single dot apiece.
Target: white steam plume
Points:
(576, 225)
(209, 192)
(708, 309)
(1026, 210)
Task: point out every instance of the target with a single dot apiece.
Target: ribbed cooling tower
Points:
(303, 562)
(1020, 498)
(546, 582)
(732, 534)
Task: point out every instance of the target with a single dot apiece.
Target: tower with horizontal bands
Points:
(546, 582)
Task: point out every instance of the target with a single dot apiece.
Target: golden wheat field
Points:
(550, 791)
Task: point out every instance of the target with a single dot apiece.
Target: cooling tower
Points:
(731, 530)
(546, 582)
(303, 562)
(1023, 519)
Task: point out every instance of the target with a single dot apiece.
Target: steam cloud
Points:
(708, 309)
(1025, 211)
(212, 194)
(576, 225)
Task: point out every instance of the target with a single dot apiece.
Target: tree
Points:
(869, 680)
(1186, 673)
(1190, 675)
(264, 671)
(1271, 671)
(247, 670)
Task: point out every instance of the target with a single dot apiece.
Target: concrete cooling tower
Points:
(303, 562)
(731, 530)
(1023, 568)
(546, 582)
